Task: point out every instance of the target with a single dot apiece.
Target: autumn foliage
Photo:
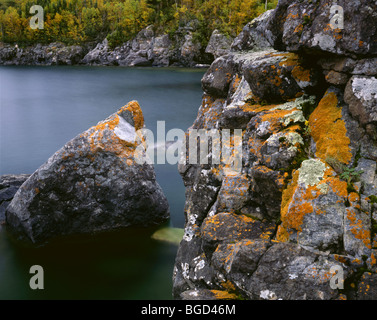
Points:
(78, 21)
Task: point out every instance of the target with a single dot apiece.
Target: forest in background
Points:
(80, 21)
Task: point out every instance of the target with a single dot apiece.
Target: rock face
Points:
(93, 184)
(255, 36)
(219, 44)
(344, 27)
(9, 185)
(298, 221)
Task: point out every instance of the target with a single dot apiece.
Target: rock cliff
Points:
(299, 221)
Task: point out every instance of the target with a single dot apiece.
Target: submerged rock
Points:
(93, 184)
(169, 235)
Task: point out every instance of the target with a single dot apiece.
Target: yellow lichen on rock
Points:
(103, 137)
(329, 131)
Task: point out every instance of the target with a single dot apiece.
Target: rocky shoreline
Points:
(146, 49)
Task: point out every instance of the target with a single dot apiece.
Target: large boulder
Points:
(94, 183)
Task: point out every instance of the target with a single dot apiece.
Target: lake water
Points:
(41, 108)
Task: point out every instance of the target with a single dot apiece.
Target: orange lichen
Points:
(358, 229)
(228, 285)
(288, 194)
(299, 28)
(297, 202)
(353, 197)
(102, 137)
(301, 74)
(223, 295)
(329, 131)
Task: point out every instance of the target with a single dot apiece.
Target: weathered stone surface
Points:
(9, 185)
(310, 25)
(278, 77)
(231, 227)
(93, 184)
(346, 65)
(361, 96)
(367, 289)
(313, 207)
(304, 201)
(272, 76)
(219, 44)
(218, 77)
(289, 272)
(255, 36)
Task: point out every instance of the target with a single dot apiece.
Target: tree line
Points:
(78, 21)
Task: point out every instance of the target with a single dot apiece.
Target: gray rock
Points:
(367, 289)
(219, 44)
(255, 35)
(289, 272)
(306, 25)
(299, 207)
(218, 77)
(361, 96)
(93, 184)
(313, 216)
(278, 77)
(9, 185)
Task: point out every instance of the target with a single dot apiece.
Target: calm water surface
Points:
(41, 108)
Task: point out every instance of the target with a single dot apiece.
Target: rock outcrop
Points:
(146, 49)
(94, 183)
(299, 220)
